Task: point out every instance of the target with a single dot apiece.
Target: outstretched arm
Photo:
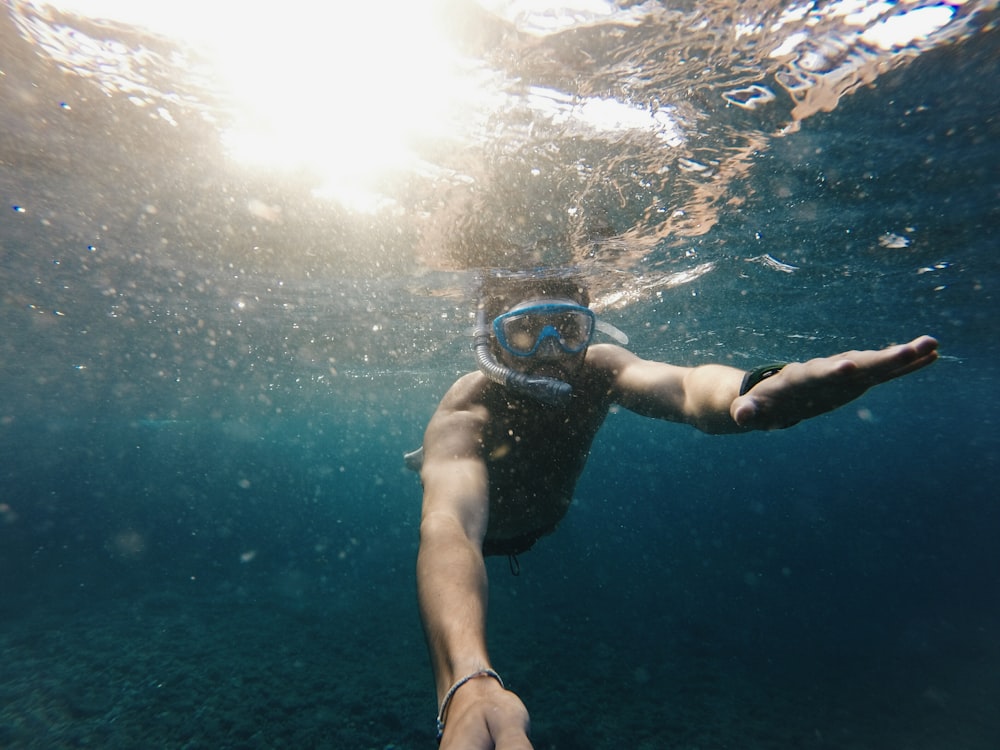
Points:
(708, 396)
(452, 588)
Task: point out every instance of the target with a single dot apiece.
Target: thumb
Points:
(743, 410)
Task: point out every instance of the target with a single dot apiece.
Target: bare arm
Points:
(699, 396)
(452, 584)
(707, 397)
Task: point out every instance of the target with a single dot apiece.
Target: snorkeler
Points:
(502, 454)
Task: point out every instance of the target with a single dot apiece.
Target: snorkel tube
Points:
(550, 391)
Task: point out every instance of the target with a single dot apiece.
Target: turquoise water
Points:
(211, 370)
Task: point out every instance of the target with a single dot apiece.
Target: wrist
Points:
(755, 376)
(449, 696)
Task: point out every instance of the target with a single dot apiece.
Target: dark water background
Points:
(207, 536)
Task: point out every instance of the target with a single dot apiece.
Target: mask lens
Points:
(573, 329)
(522, 332)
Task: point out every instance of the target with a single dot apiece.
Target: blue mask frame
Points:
(552, 321)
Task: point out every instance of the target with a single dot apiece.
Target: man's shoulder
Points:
(465, 394)
(609, 370)
(605, 361)
(459, 418)
(468, 387)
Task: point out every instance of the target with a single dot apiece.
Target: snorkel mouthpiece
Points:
(549, 391)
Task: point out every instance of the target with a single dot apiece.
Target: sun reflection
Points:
(347, 92)
(363, 97)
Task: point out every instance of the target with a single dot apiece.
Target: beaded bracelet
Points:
(454, 688)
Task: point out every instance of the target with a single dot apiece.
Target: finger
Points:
(915, 350)
(876, 367)
(910, 357)
(913, 366)
(925, 344)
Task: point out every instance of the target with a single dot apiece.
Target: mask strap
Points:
(611, 331)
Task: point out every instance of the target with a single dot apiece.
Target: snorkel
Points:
(497, 291)
(550, 391)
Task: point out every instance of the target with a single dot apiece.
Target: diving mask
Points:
(524, 330)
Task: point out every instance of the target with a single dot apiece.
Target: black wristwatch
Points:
(761, 373)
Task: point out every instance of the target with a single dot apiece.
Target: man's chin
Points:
(548, 371)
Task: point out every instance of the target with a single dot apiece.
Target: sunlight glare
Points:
(346, 92)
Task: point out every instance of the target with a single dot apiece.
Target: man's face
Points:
(545, 336)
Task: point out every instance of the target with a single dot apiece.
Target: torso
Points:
(535, 455)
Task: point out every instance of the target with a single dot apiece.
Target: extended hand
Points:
(484, 716)
(806, 389)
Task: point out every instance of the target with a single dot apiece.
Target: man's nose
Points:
(549, 346)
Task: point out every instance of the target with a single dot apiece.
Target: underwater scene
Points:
(238, 248)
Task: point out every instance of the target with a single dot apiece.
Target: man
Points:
(503, 452)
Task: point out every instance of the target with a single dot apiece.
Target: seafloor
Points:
(231, 669)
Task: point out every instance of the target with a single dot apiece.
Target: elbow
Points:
(439, 528)
(437, 525)
(445, 550)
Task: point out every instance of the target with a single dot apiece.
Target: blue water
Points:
(207, 534)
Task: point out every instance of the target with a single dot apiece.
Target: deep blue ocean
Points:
(210, 370)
